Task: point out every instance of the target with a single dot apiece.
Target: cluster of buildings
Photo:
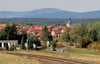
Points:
(36, 30)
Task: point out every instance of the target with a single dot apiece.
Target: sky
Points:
(69, 5)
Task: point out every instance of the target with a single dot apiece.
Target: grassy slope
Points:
(82, 51)
(85, 51)
(83, 57)
(10, 59)
(75, 55)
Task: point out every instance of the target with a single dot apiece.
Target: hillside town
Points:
(35, 31)
(49, 31)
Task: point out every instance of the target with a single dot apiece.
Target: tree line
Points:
(83, 36)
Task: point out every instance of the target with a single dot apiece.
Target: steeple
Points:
(69, 23)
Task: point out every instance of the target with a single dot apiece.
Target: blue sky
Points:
(70, 5)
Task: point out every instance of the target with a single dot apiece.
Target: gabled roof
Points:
(61, 27)
(68, 28)
(21, 30)
(2, 26)
(38, 34)
(29, 30)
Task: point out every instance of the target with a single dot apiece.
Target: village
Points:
(35, 31)
(65, 40)
(49, 31)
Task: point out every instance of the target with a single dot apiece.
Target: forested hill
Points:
(44, 21)
(49, 13)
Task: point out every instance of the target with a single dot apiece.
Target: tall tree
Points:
(23, 39)
(65, 36)
(77, 32)
(45, 34)
(11, 31)
(94, 31)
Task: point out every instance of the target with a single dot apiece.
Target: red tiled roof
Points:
(38, 34)
(29, 30)
(21, 30)
(62, 27)
(68, 28)
(2, 26)
(54, 28)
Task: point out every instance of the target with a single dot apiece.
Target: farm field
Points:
(11, 59)
(85, 57)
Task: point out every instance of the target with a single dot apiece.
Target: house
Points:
(38, 34)
(57, 31)
(2, 26)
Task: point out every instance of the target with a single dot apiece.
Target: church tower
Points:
(68, 24)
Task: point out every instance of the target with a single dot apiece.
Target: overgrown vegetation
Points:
(84, 36)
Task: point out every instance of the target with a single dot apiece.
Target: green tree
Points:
(84, 42)
(76, 32)
(53, 44)
(65, 36)
(22, 43)
(10, 32)
(12, 35)
(33, 40)
(3, 35)
(45, 34)
(94, 31)
(98, 37)
(6, 46)
(23, 40)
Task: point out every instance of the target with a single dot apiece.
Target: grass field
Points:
(95, 59)
(85, 51)
(10, 59)
(77, 54)
(82, 51)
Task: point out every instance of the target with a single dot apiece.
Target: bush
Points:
(94, 46)
(33, 40)
(83, 42)
(53, 43)
(12, 48)
(59, 46)
(6, 46)
(44, 44)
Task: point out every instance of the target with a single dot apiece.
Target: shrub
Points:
(59, 46)
(12, 48)
(94, 46)
(53, 43)
(83, 42)
(6, 46)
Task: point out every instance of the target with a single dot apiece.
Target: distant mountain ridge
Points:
(49, 13)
